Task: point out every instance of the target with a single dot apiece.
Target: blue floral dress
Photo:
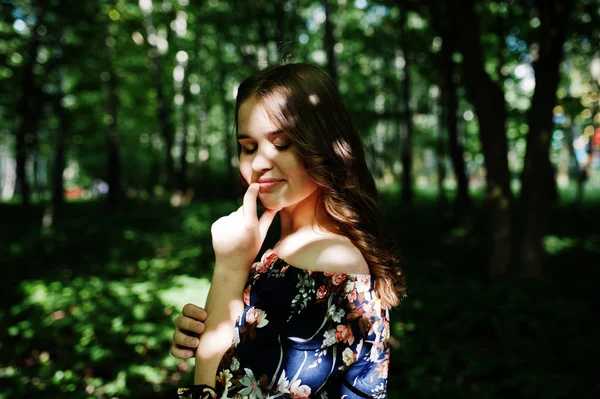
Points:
(305, 334)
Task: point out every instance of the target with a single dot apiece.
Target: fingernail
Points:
(189, 354)
(199, 328)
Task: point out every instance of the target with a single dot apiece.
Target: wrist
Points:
(232, 265)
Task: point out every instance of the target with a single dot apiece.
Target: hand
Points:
(237, 238)
(188, 325)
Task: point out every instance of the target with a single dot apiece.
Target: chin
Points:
(271, 204)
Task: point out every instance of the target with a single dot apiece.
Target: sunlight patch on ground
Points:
(554, 244)
(185, 289)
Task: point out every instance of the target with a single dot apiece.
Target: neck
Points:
(306, 214)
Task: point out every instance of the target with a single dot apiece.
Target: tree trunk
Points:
(462, 204)
(407, 131)
(183, 163)
(538, 187)
(488, 99)
(164, 119)
(58, 187)
(115, 192)
(441, 151)
(28, 115)
(195, 104)
(162, 104)
(263, 58)
(227, 139)
(294, 23)
(329, 42)
(280, 18)
(62, 133)
(114, 163)
(35, 150)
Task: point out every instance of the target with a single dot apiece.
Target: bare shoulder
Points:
(332, 254)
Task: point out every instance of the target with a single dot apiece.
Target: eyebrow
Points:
(270, 134)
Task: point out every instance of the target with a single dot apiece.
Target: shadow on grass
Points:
(460, 336)
(88, 305)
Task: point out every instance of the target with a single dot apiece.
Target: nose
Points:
(261, 161)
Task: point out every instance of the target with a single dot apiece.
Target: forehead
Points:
(253, 119)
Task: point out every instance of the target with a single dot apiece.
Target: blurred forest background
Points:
(481, 122)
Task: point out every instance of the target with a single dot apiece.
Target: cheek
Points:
(301, 175)
(297, 166)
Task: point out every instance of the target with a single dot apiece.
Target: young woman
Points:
(311, 319)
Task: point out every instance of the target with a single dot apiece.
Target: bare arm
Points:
(223, 305)
(236, 240)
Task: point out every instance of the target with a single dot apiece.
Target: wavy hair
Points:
(303, 101)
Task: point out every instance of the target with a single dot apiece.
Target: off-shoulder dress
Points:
(304, 334)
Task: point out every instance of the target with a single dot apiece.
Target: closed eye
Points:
(280, 148)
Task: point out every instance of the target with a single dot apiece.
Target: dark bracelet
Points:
(197, 392)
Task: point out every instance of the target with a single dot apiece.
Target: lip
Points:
(267, 185)
(267, 180)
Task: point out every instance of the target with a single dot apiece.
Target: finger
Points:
(265, 221)
(250, 202)
(195, 312)
(184, 323)
(181, 353)
(185, 341)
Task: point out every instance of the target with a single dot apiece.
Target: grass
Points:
(89, 302)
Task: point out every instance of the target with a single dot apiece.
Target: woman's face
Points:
(268, 157)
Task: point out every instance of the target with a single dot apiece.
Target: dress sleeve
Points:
(361, 334)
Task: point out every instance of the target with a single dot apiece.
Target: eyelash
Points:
(279, 148)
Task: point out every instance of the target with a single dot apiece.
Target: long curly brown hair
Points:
(303, 101)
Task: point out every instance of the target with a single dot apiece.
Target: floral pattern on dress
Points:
(196, 392)
(306, 334)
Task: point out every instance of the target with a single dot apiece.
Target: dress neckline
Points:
(269, 253)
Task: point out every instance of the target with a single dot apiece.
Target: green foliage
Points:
(89, 304)
(460, 336)
(222, 42)
(89, 298)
